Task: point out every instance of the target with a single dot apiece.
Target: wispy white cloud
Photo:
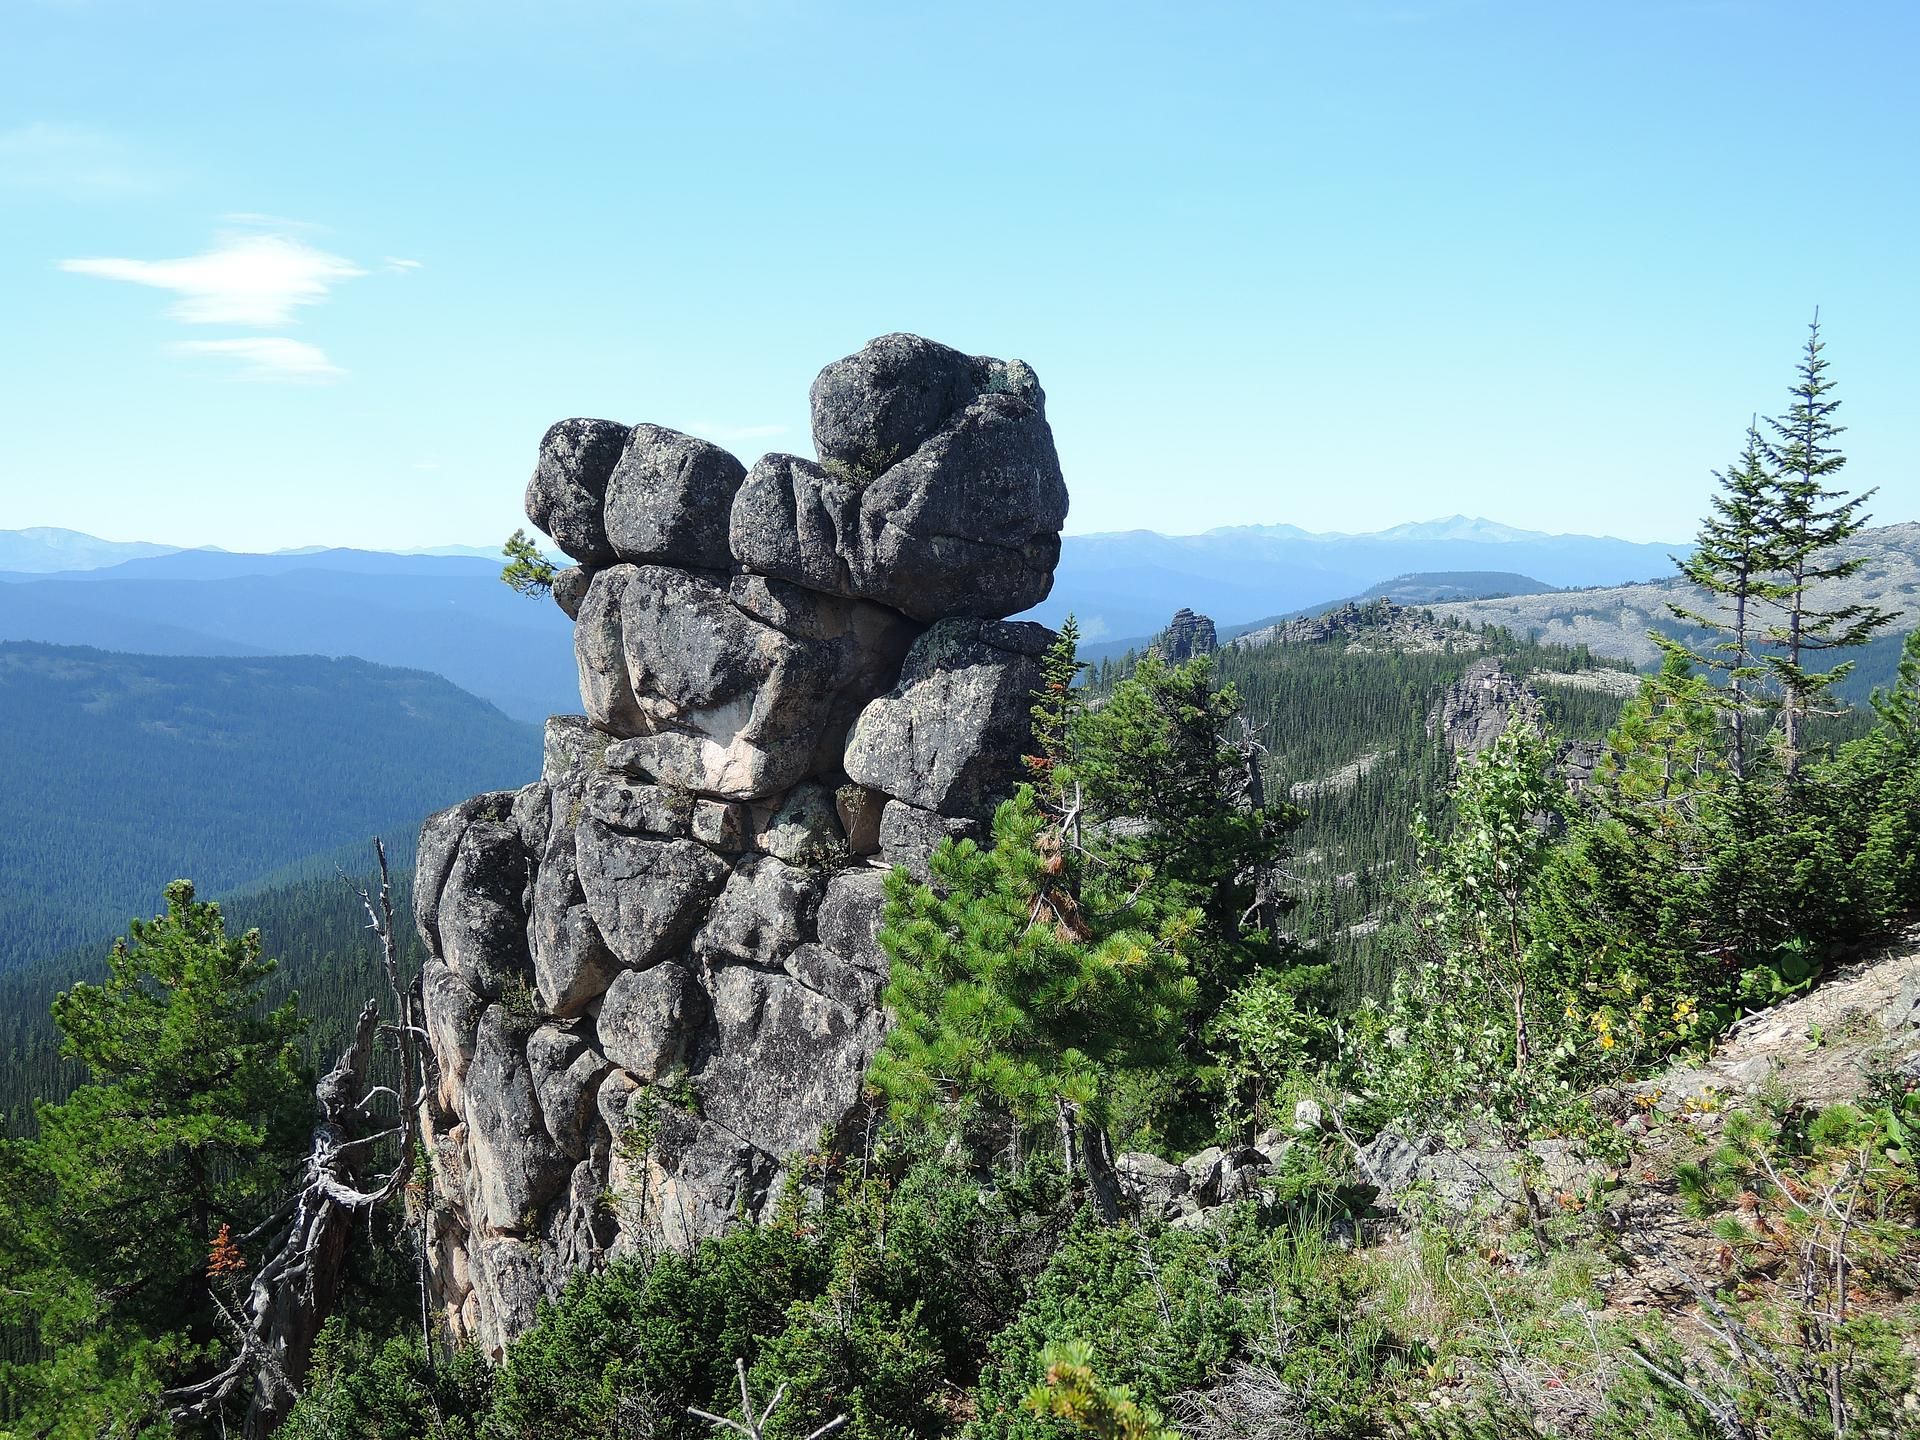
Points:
(393, 264)
(267, 357)
(257, 280)
(75, 163)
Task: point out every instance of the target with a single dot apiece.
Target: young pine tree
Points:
(1731, 560)
(1057, 704)
(195, 1114)
(527, 570)
(1008, 1005)
(1653, 902)
(1809, 519)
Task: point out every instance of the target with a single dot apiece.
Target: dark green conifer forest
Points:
(119, 773)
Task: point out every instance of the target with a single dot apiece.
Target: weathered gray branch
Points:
(294, 1290)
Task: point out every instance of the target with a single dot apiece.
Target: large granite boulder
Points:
(647, 1016)
(938, 491)
(572, 748)
(690, 1181)
(481, 918)
(567, 494)
(621, 804)
(508, 1286)
(440, 839)
(453, 1025)
(949, 735)
(837, 978)
(766, 911)
(669, 499)
(850, 916)
(910, 835)
(803, 828)
(782, 1062)
(570, 589)
(572, 964)
(874, 408)
(567, 1071)
(516, 1166)
(645, 896)
(734, 689)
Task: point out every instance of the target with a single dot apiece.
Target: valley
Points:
(119, 773)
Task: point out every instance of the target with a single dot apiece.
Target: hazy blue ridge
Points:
(121, 772)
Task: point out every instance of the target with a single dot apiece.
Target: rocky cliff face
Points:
(1472, 713)
(654, 977)
(1188, 635)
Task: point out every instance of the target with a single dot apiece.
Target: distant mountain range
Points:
(447, 614)
(47, 548)
(1129, 583)
(445, 610)
(119, 773)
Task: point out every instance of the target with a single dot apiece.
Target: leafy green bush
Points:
(878, 1301)
(1163, 1311)
(361, 1389)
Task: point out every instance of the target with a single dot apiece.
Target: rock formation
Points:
(1362, 626)
(653, 976)
(1188, 635)
(1472, 712)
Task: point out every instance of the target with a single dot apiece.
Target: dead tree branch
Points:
(755, 1428)
(295, 1288)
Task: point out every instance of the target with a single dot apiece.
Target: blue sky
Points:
(276, 274)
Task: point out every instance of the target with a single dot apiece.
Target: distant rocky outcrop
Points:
(1618, 621)
(1472, 712)
(653, 976)
(1368, 625)
(1188, 635)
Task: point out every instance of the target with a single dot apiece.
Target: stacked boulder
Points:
(654, 976)
(1188, 635)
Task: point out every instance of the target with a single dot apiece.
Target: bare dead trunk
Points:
(295, 1288)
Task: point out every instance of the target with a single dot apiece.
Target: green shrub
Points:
(1162, 1312)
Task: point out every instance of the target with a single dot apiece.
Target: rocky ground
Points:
(1631, 1250)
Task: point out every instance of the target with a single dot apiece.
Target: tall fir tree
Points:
(1056, 705)
(1732, 560)
(1809, 519)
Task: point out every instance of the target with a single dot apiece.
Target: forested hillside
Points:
(315, 927)
(1345, 722)
(119, 773)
